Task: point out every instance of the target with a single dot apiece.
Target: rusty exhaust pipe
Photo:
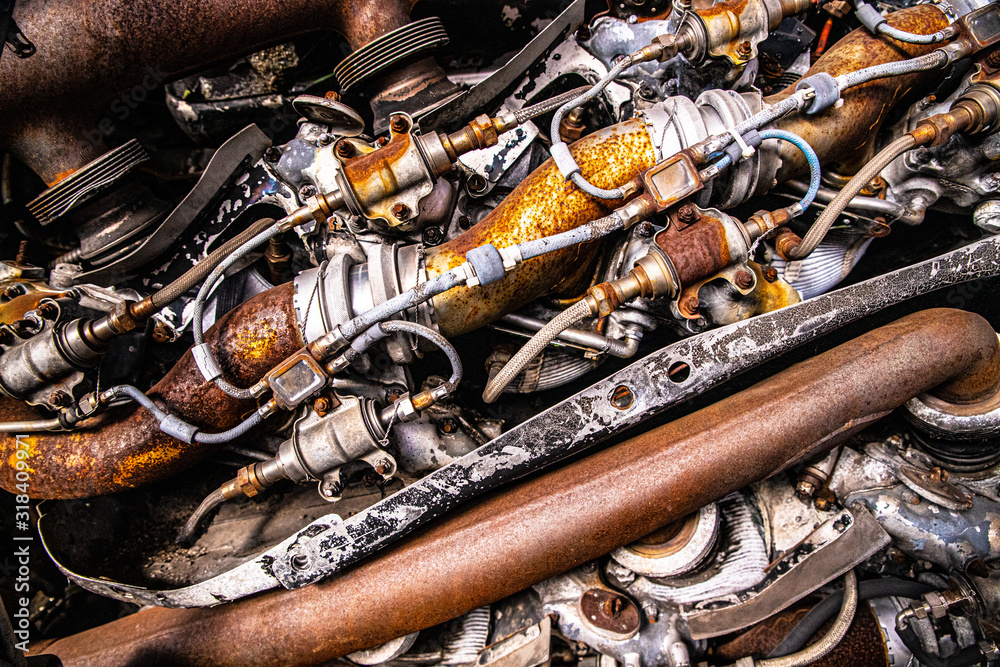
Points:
(843, 137)
(125, 448)
(547, 525)
(88, 52)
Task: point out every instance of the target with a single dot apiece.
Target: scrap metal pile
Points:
(501, 333)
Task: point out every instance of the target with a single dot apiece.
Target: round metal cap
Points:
(341, 119)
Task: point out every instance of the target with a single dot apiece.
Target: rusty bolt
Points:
(332, 95)
(464, 221)
(382, 141)
(690, 305)
(14, 290)
(938, 475)
(744, 279)
(344, 149)
(399, 124)
(433, 236)
(321, 405)
(744, 50)
(48, 310)
(645, 229)
(687, 214)
(400, 211)
(22, 252)
(272, 154)
(382, 466)
(160, 333)
(60, 399)
(993, 60)
(770, 273)
(307, 191)
(325, 139)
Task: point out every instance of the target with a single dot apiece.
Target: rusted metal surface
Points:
(699, 250)
(843, 137)
(54, 104)
(543, 204)
(124, 448)
(564, 518)
(862, 645)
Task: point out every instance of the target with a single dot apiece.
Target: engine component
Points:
(432, 566)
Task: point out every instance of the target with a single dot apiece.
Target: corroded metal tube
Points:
(125, 448)
(55, 103)
(542, 205)
(547, 525)
(844, 137)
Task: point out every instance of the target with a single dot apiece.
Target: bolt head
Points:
(272, 154)
(60, 399)
(687, 214)
(770, 274)
(307, 191)
(325, 139)
(344, 149)
(744, 279)
(399, 124)
(645, 229)
(401, 211)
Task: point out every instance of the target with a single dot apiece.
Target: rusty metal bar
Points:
(547, 525)
(125, 448)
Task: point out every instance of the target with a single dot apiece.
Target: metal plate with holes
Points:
(330, 544)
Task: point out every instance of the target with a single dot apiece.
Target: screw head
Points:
(744, 50)
(272, 154)
(13, 291)
(325, 139)
(744, 279)
(646, 92)
(687, 214)
(383, 466)
(645, 229)
(321, 405)
(399, 124)
(307, 191)
(60, 399)
(464, 221)
(400, 211)
(344, 149)
(433, 236)
(770, 274)
(690, 305)
(448, 425)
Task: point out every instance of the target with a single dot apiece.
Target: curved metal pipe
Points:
(125, 448)
(844, 136)
(543, 204)
(55, 104)
(559, 520)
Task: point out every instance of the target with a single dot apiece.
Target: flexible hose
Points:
(187, 534)
(197, 328)
(831, 639)
(538, 342)
(380, 331)
(830, 214)
(542, 108)
(178, 424)
(815, 172)
(577, 178)
(173, 291)
(932, 60)
(817, 617)
(876, 23)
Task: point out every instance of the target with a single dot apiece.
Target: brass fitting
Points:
(651, 277)
(318, 208)
(478, 134)
(247, 482)
(786, 242)
(762, 222)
